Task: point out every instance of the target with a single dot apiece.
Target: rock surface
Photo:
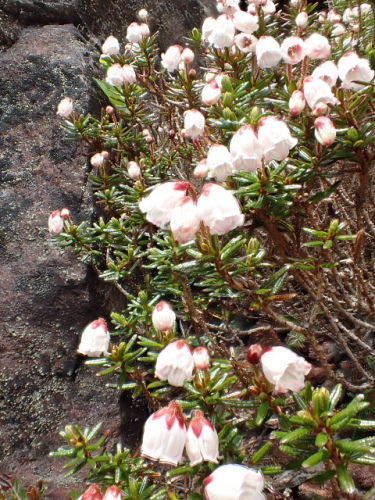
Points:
(47, 297)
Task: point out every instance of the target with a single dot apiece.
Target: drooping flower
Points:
(293, 50)
(211, 93)
(222, 34)
(113, 493)
(201, 170)
(115, 75)
(354, 69)
(134, 33)
(187, 56)
(111, 47)
(65, 107)
(175, 363)
(201, 358)
(129, 74)
(268, 52)
(316, 91)
(297, 102)
(185, 220)
(159, 203)
(143, 15)
(328, 72)
(202, 443)
(274, 135)
(317, 47)
(302, 20)
(325, 131)
(163, 316)
(172, 58)
(234, 482)
(268, 6)
(219, 162)
(134, 170)
(207, 27)
(98, 159)
(219, 209)
(284, 368)
(194, 123)
(95, 339)
(164, 435)
(245, 22)
(246, 150)
(56, 221)
(93, 492)
(245, 43)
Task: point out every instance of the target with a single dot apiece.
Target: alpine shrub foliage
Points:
(233, 180)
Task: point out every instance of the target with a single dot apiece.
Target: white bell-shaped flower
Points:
(175, 363)
(65, 107)
(219, 209)
(115, 75)
(223, 31)
(274, 135)
(159, 203)
(163, 316)
(202, 442)
(246, 150)
(317, 91)
(111, 47)
(134, 33)
(268, 52)
(325, 130)
(245, 43)
(219, 162)
(172, 58)
(328, 72)
(317, 47)
(194, 123)
(234, 482)
(354, 69)
(185, 220)
(95, 339)
(245, 22)
(293, 50)
(164, 435)
(297, 102)
(284, 369)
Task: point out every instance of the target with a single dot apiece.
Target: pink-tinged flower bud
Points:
(134, 33)
(110, 110)
(246, 150)
(268, 52)
(187, 56)
(338, 29)
(113, 493)
(316, 91)
(158, 205)
(293, 50)
(65, 213)
(223, 31)
(274, 135)
(172, 58)
(201, 170)
(354, 69)
(194, 123)
(92, 493)
(207, 27)
(295, 3)
(219, 162)
(129, 74)
(202, 359)
(164, 435)
(297, 102)
(111, 47)
(144, 29)
(95, 339)
(229, 7)
(175, 363)
(245, 22)
(333, 16)
(284, 368)
(97, 160)
(134, 170)
(55, 222)
(245, 43)
(219, 209)
(163, 317)
(317, 47)
(211, 93)
(328, 72)
(252, 9)
(325, 131)
(234, 482)
(65, 107)
(268, 7)
(322, 17)
(302, 20)
(143, 15)
(202, 442)
(145, 132)
(254, 353)
(185, 220)
(321, 109)
(115, 75)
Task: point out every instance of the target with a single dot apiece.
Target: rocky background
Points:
(49, 50)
